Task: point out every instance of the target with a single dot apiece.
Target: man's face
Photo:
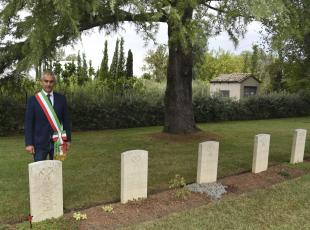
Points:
(47, 83)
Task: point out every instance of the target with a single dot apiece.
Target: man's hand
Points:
(65, 147)
(30, 149)
(68, 146)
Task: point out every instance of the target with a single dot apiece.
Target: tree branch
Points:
(214, 8)
(123, 17)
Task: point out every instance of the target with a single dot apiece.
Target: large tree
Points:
(289, 36)
(40, 27)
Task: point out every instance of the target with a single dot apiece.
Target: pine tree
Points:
(104, 69)
(129, 65)
(121, 60)
(114, 64)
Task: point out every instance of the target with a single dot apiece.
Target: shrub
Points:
(95, 106)
(12, 112)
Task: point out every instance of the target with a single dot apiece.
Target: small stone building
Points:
(235, 85)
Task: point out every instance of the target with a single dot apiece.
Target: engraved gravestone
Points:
(261, 153)
(298, 147)
(134, 170)
(46, 190)
(207, 162)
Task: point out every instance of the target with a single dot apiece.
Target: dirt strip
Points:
(164, 203)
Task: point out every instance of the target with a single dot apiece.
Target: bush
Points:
(259, 107)
(94, 106)
(12, 112)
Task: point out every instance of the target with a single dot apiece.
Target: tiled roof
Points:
(232, 77)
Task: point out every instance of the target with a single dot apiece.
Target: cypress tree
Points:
(79, 69)
(121, 60)
(85, 68)
(254, 61)
(91, 70)
(129, 65)
(104, 69)
(114, 64)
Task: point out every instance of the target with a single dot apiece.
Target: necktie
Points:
(49, 98)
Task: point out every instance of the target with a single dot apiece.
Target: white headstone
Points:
(134, 170)
(298, 147)
(261, 153)
(207, 162)
(45, 188)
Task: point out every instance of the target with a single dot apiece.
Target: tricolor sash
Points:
(59, 136)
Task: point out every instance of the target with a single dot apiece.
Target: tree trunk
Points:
(179, 115)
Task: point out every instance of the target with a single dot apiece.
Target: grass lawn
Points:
(92, 171)
(283, 206)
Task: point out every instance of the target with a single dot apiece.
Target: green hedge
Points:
(260, 107)
(137, 109)
(12, 112)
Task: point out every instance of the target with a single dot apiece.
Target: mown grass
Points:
(283, 206)
(92, 171)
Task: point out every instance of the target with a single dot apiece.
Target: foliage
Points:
(264, 66)
(95, 106)
(178, 183)
(58, 23)
(121, 60)
(91, 70)
(274, 105)
(218, 62)
(53, 24)
(288, 33)
(129, 64)
(11, 114)
(156, 62)
(104, 69)
(115, 62)
(182, 193)
(107, 208)
(79, 216)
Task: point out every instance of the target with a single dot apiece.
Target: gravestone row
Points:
(46, 187)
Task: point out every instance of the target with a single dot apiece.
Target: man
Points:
(46, 116)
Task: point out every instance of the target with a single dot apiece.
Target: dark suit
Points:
(38, 131)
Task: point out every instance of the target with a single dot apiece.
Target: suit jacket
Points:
(38, 131)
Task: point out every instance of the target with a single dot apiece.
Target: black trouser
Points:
(42, 152)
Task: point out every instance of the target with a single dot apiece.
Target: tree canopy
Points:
(31, 31)
(289, 35)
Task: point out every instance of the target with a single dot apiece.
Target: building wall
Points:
(234, 89)
(249, 82)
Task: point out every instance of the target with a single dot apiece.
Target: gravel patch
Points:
(213, 190)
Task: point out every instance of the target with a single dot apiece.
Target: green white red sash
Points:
(59, 136)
